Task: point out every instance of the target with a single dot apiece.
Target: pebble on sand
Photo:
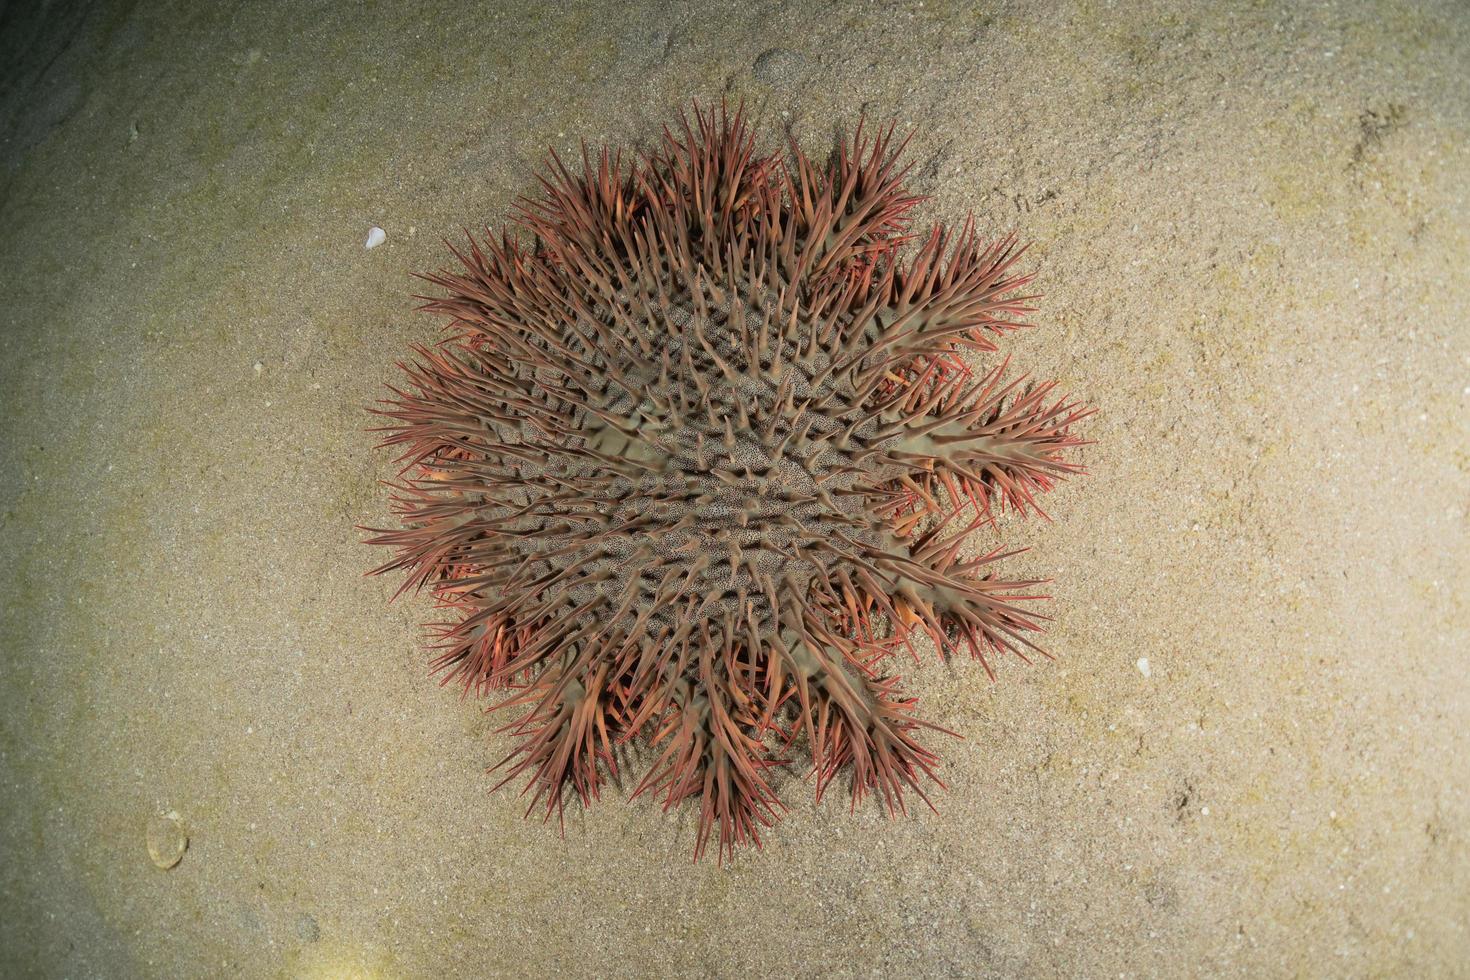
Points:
(376, 237)
(307, 929)
(775, 65)
(1143, 667)
(167, 841)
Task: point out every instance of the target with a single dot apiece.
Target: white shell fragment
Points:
(167, 840)
(1143, 667)
(376, 237)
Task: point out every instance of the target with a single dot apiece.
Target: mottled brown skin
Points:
(699, 460)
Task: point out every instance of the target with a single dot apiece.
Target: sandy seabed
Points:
(1250, 225)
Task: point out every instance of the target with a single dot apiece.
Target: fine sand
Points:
(1250, 756)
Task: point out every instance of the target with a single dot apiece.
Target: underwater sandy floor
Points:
(1250, 224)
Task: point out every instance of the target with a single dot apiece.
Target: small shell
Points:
(376, 237)
(167, 840)
(1143, 667)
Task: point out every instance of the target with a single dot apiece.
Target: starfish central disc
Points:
(719, 491)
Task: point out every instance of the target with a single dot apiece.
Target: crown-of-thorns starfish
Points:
(698, 460)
